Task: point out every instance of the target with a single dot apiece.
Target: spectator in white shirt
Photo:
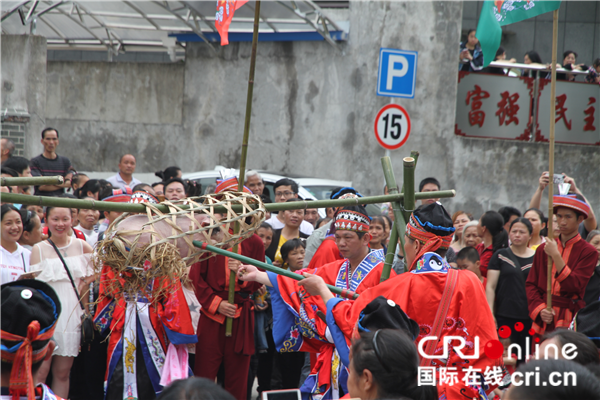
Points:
(14, 258)
(87, 220)
(124, 178)
(286, 189)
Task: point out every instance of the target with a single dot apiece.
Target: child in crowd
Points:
(292, 254)
(261, 317)
(468, 258)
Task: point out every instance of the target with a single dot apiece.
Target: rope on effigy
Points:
(153, 268)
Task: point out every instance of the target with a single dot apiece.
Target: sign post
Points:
(392, 126)
(397, 73)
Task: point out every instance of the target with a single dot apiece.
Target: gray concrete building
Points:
(313, 112)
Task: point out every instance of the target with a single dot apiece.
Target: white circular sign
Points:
(392, 126)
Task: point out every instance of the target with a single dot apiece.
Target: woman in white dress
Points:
(76, 253)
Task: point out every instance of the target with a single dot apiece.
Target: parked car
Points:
(308, 188)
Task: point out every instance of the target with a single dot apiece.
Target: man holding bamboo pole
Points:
(323, 244)
(574, 261)
(297, 325)
(210, 279)
(443, 301)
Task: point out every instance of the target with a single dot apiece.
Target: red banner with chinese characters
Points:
(225, 11)
(501, 107)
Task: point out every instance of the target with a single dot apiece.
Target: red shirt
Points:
(568, 285)
(484, 257)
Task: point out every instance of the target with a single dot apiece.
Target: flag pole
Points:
(551, 155)
(242, 175)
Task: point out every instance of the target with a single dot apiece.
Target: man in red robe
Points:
(320, 246)
(211, 284)
(296, 324)
(444, 302)
(574, 261)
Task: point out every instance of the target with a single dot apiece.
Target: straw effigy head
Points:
(151, 252)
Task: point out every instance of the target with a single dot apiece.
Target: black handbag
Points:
(87, 323)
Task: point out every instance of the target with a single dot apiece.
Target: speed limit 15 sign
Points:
(392, 126)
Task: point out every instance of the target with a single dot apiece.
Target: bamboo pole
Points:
(273, 207)
(241, 178)
(280, 271)
(32, 181)
(399, 224)
(551, 155)
(415, 155)
(409, 186)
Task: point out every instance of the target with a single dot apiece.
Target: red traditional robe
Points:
(296, 326)
(211, 283)
(327, 252)
(419, 294)
(568, 286)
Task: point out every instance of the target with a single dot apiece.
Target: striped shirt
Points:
(42, 166)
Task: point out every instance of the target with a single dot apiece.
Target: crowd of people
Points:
(482, 280)
(471, 60)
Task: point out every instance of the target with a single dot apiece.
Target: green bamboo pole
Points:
(415, 155)
(399, 225)
(273, 207)
(241, 178)
(280, 271)
(409, 186)
(32, 181)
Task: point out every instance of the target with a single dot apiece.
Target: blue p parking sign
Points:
(397, 73)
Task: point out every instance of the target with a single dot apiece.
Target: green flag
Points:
(495, 14)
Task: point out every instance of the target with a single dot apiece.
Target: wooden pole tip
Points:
(408, 160)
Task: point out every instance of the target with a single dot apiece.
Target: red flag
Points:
(225, 11)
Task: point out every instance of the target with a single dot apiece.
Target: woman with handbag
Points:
(64, 262)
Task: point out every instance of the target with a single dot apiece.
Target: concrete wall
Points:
(23, 90)
(105, 110)
(314, 106)
(313, 112)
(578, 30)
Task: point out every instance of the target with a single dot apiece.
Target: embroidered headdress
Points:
(572, 202)
(118, 198)
(432, 226)
(352, 218)
(229, 185)
(140, 196)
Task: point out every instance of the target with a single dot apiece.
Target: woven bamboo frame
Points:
(128, 258)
